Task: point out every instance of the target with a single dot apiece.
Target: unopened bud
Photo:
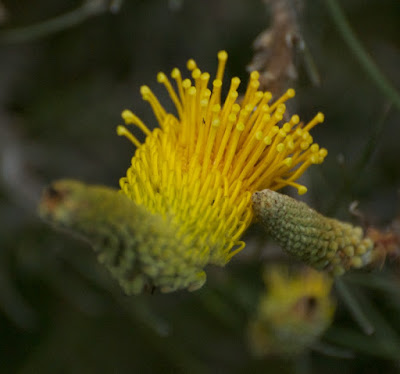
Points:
(322, 242)
(139, 248)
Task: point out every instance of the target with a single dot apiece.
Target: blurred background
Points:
(67, 70)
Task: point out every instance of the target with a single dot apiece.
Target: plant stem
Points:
(359, 52)
(354, 307)
(39, 30)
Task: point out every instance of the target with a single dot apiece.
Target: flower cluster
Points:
(198, 170)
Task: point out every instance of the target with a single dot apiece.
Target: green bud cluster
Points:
(322, 242)
(140, 249)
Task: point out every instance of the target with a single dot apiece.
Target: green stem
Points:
(53, 25)
(354, 307)
(359, 52)
(369, 345)
(351, 178)
(378, 282)
(371, 145)
(332, 350)
(311, 66)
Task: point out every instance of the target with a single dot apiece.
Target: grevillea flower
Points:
(186, 199)
(199, 168)
(293, 312)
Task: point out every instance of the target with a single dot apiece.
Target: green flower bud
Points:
(139, 248)
(322, 242)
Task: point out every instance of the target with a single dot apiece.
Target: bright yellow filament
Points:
(200, 168)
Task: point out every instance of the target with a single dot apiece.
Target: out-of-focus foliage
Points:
(60, 100)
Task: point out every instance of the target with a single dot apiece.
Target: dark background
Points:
(61, 95)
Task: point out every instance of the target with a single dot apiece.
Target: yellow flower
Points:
(296, 309)
(198, 170)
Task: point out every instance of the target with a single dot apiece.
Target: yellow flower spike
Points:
(222, 145)
(293, 312)
(191, 180)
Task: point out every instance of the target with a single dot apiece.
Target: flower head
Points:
(296, 309)
(199, 169)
